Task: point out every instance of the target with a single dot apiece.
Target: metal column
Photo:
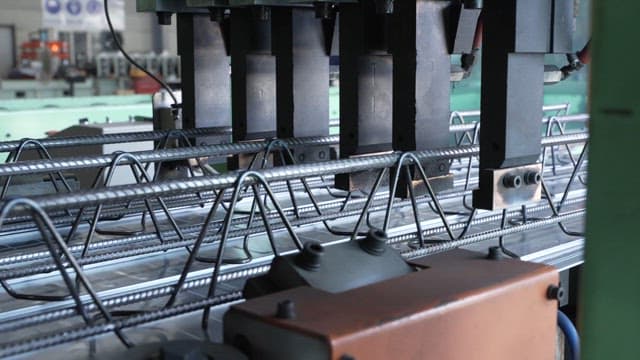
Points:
(421, 82)
(253, 80)
(302, 45)
(517, 36)
(611, 290)
(206, 85)
(366, 86)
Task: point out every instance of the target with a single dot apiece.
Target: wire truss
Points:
(281, 201)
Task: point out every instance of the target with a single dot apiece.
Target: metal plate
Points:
(493, 194)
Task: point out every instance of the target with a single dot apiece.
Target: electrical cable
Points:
(571, 335)
(133, 62)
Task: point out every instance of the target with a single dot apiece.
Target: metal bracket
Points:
(503, 188)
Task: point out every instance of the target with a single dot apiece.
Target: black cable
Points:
(133, 62)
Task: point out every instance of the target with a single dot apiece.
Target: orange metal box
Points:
(460, 305)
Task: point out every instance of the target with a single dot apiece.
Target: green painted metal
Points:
(173, 6)
(207, 3)
(610, 315)
(34, 117)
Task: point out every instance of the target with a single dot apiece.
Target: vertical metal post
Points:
(253, 80)
(517, 35)
(421, 82)
(302, 45)
(611, 290)
(366, 86)
(206, 85)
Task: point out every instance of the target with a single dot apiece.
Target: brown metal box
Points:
(460, 305)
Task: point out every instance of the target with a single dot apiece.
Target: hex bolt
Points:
(286, 310)
(322, 155)
(375, 243)
(555, 292)
(495, 253)
(512, 181)
(311, 256)
(532, 178)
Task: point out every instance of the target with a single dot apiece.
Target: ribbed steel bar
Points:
(456, 128)
(125, 193)
(174, 243)
(45, 166)
(94, 330)
(115, 301)
(73, 163)
(546, 108)
(492, 234)
(56, 142)
(60, 218)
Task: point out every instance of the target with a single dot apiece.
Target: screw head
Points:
(512, 181)
(311, 256)
(286, 310)
(555, 292)
(495, 253)
(532, 178)
(375, 243)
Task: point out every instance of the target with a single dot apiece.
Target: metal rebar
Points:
(57, 142)
(125, 193)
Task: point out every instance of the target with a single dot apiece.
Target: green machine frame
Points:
(610, 316)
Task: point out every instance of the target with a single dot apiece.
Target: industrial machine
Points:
(249, 231)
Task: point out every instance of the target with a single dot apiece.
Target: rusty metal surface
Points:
(460, 306)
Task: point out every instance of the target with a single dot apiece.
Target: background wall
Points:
(26, 16)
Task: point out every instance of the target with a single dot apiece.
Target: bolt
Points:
(442, 167)
(310, 256)
(495, 253)
(555, 292)
(301, 157)
(286, 310)
(532, 178)
(375, 243)
(512, 181)
(322, 155)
